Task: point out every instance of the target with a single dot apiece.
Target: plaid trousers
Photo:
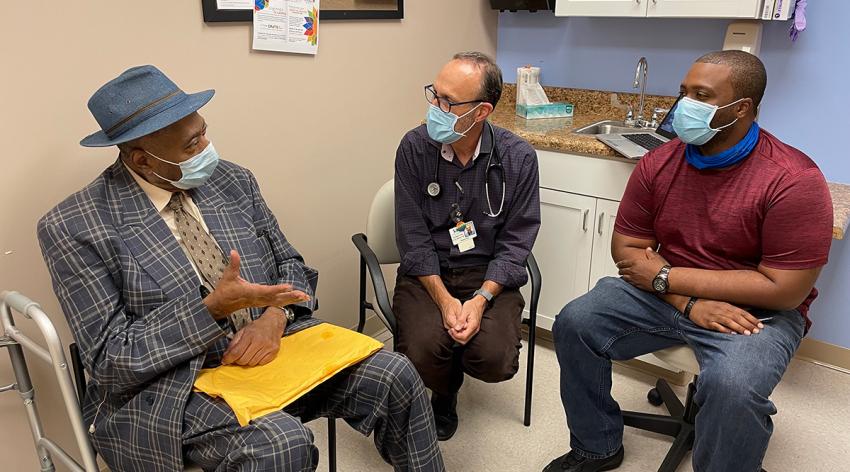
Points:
(382, 395)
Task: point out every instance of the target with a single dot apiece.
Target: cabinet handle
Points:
(584, 220)
(599, 226)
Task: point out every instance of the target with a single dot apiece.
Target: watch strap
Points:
(290, 314)
(484, 293)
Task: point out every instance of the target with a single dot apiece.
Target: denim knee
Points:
(573, 320)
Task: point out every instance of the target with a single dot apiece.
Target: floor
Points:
(812, 428)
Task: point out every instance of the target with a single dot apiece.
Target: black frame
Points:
(213, 15)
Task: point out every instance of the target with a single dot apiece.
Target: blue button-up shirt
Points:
(423, 222)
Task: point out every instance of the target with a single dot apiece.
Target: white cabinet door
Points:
(602, 265)
(601, 7)
(704, 8)
(563, 250)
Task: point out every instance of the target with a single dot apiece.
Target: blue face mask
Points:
(441, 125)
(195, 171)
(692, 121)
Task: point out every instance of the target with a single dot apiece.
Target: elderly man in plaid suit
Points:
(139, 262)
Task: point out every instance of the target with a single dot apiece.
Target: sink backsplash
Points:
(594, 102)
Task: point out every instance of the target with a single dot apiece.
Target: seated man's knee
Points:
(286, 443)
(734, 389)
(492, 362)
(423, 350)
(397, 370)
(581, 314)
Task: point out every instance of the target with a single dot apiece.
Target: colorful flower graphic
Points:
(261, 4)
(311, 27)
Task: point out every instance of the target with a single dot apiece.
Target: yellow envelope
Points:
(306, 359)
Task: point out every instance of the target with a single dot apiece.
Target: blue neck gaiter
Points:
(731, 156)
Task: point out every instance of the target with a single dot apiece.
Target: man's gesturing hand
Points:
(232, 293)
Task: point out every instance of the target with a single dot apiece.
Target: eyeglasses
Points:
(444, 103)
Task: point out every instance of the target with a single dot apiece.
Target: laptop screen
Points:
(666, 127)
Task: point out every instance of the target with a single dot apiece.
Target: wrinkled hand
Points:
(724, 317)
(258, 342)
(233, 293)
(642, 270)
(451, 312)
(469, 321)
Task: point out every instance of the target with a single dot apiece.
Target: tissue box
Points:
(548, 110)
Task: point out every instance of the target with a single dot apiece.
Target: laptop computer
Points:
(635, 144)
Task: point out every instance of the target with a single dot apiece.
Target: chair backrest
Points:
(380, 227)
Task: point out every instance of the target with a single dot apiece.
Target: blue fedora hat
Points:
(138, 102)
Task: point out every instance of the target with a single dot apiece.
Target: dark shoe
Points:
(572, 462)
(445, 415)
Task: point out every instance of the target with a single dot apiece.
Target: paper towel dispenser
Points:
(516, 5)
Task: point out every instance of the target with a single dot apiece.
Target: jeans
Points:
(616, 321)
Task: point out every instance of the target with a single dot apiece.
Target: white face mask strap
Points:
(727, 125)
(159, 158)
(473, 123)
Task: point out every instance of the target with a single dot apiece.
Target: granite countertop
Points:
(556, 134)
(841, 208)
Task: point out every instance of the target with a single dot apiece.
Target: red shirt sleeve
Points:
(797, 230)
(636, 215)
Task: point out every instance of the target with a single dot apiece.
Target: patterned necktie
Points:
(205, 253)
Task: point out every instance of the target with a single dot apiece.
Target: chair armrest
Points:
(378, 282)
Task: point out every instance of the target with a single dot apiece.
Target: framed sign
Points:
(216, 11)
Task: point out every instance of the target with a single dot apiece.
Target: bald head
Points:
(746, 72)
(490, 88)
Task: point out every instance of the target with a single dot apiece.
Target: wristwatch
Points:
(290, 314)
(660, 283)
(484, 293)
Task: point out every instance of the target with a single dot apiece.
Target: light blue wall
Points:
(808, 86)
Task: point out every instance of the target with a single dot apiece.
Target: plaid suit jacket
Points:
(134, 304)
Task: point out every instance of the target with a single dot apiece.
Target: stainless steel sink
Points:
(606, 127)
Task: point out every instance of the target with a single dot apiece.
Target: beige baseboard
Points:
(823, 353)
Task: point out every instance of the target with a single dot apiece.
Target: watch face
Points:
(659, 284)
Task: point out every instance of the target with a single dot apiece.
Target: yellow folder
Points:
(306, 359)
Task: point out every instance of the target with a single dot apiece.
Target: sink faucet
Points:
(640, 82)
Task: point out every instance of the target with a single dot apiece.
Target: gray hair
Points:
(491, 81)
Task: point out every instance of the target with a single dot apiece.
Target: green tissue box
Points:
(549, 110)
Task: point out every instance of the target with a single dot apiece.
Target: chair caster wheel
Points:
(654, 397)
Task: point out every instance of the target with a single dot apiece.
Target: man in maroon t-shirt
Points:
(742, 223)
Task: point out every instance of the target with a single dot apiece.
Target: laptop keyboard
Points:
(644, 140)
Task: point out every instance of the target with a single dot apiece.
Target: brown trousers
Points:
(492, 355)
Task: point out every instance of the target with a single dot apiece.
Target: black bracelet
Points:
(689, 306)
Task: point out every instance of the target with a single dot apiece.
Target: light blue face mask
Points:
(195, 171)
(692, 121)
(441, 125)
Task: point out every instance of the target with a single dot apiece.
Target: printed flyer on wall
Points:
(286, 26)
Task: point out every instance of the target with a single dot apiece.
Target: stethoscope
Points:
(434, 189)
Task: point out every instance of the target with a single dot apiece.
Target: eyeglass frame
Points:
(430, 88)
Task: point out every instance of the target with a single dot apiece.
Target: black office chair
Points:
(381, 249)
(80, 384)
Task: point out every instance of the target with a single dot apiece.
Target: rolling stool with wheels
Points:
(679, 424)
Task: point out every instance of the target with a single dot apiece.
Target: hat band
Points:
(140, 111)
